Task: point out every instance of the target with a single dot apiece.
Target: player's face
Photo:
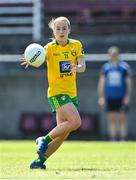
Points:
(114, 56)
(61, 31)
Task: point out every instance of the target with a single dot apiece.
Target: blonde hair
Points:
(53, 21)
(113, 49)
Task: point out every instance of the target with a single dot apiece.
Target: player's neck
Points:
(114, 61)
(62, 43)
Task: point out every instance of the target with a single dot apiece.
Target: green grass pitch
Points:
(74, 160)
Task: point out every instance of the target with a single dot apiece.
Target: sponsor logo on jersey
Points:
(56, 54)
(66, 75)
(65, 55)
(65, 66)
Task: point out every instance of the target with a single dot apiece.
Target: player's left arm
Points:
(129, 90)
(129, 85)
(80, 66)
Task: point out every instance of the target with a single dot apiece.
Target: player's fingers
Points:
(26, 66)
(22, 59)
(73, 70)
(72, 65)
(23, 63)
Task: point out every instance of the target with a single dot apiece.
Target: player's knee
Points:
(76, 123)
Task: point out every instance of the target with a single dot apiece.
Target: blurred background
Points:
(98, 24)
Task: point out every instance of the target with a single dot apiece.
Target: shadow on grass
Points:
(83, 169)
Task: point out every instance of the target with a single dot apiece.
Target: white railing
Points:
(88, 57)
(15, 1)
(104, 57)
(21, 17)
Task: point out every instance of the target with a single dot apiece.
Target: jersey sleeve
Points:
(47, 51)
(80, 51)
(102, 70)
(129, 70)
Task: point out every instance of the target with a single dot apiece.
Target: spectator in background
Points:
(86, 16)
(85, 20)
(114, 91)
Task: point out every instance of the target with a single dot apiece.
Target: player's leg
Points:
(112, 125)
(52, 147)
(71, 123)
(122, 118)
(56, 143)
(113, 107)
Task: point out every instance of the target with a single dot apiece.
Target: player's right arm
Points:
(101, 98)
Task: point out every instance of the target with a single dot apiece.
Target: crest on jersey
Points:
(63, 98)
(73, 52)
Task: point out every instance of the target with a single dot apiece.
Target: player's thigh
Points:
(70, 113)
(60, 118)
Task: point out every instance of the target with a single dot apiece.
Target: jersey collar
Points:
(55, 41)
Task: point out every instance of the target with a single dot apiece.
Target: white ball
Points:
(35, 54)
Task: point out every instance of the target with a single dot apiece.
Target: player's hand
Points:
(101, 102)
(24, 63)
(77, 68)
(74, 68)
(126, 100)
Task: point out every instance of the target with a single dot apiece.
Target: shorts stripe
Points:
(55, 102)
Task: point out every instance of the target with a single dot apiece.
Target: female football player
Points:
(64, 59)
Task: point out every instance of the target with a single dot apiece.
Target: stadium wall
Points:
(25, 91)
